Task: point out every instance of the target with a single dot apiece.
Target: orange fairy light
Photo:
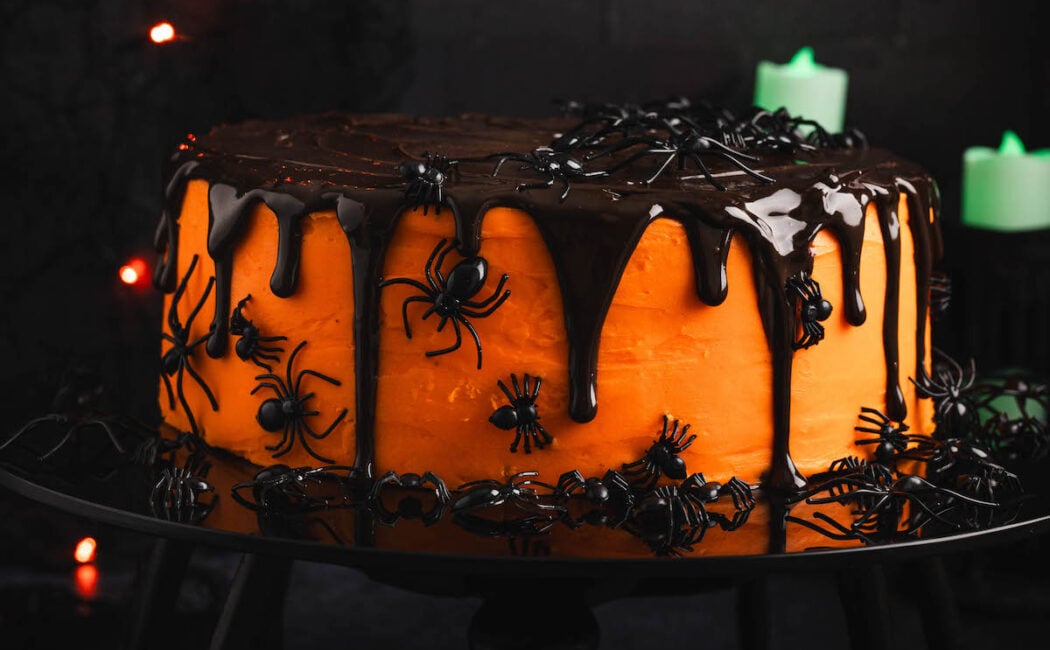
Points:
(85, 550)
(163, 32)
(133, 272)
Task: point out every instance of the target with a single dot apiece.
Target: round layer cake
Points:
(658, 291)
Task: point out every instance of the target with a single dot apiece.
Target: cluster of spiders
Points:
(611, 137)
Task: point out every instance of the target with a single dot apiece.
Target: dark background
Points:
(90, 111)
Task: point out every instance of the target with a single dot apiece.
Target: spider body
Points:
(519, 490)
(177, 492)
(661, 458)
(409, 506)
(176, 360)
(611, 496)
(891, 440)
(556, 164)
(426, 180)
(283, 488)
(451, 298)
(252, 346)
(812, 309)
(287, 412)
(521, 414)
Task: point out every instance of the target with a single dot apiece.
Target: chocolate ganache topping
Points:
(756, 177)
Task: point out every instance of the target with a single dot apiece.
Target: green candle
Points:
(805, 88)
(1006, 189)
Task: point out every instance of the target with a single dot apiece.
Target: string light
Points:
(163, 32)
(133, 272)
(86, 578)
(85, 550)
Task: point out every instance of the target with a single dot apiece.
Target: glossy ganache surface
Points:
(588, 183)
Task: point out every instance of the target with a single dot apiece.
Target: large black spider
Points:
(520, 490)
(409, 506)
(954, 412)
(812, 308)
(661, 458)
(521, 414)
(891, 440)
(176, 361)
(450, 298)
(249, 346)
(287, 412)
(426, 179)
(556, 165)
(682, 146)
(176, 496)
(280, 488)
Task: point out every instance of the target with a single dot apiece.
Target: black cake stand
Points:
(562, 590)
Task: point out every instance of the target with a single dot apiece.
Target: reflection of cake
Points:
(298, 253)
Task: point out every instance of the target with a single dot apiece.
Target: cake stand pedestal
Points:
(554, 595)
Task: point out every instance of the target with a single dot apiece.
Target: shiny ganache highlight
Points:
(353, 163)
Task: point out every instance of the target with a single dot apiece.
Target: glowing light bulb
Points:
(162, 33)
(133, 272)
(86, 581)
(85, 550)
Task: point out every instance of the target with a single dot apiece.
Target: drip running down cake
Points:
(659, 291)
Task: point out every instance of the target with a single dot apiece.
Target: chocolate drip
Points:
(350, 163)
(919, 205)
(228, 209)
(889, 224)
(166, 238)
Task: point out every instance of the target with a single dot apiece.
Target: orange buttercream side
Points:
(662, 352)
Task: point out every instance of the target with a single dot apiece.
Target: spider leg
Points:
(167, 386)
(182, 398)
(451, 348)
(303, 428)
(439, 263)
(473, 333)
(705, 171)
(535, 389)
(409, 281)
(486, 301)
(442, 323)
(526, 432)
(313, 373)
(504, 157)
(35, 422)
(274, 387)
(502, 386)
(173, 315)
(287, 441)
(539, 185)
(288, 368)
(200, 303)
(565, 184)
(517, 439)
(659, 170)
(200, 382)
(404, 311)
(324, 434)
(517, 386)
(487, 312)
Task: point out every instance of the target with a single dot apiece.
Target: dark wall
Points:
(91, 111)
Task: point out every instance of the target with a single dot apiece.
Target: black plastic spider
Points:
(280, 488)
(661, 458)
(940, 294)
(250, 346)
(882, 507)
(450, 298)
(520, 490)
(556, 165)
(610, 496)
(812, 308)
(426, 179)
(176, 361)
(682, 146)
(521, 414)
(176, 494)
(409, 506)
(287, 412)
(891, 440)
(672, 518)
(852, 467)
(955, 414)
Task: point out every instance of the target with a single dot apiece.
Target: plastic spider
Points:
(891, 440)
(287, 412)
(409, 505)
(176, 494)
(426, 179)
(176, 361)
(280, 488)
(940, 293)
(812, 308)
(955, 413)
(661, 458)
(519, 490)
(556, 165)
(611, 496)
(450, 298)
(250, 346)
(521, 414)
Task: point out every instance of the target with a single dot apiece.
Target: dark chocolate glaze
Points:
(349, 163)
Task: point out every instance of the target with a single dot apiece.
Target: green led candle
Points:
(1006, 189)
(805, 88)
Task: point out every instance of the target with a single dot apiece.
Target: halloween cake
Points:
(657, 290)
